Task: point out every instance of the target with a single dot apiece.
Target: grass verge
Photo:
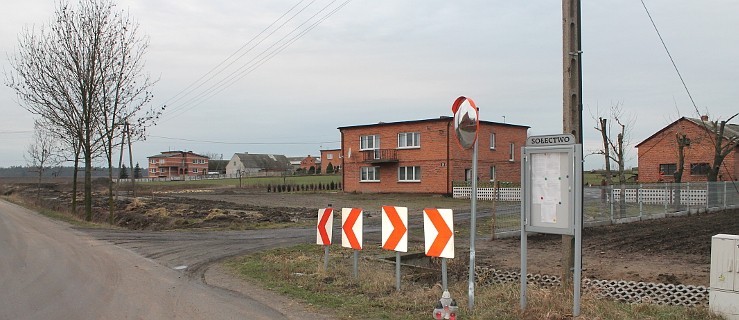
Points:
(53, 214)
(297, 272)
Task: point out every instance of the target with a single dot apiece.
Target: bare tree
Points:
(81, 75)
(615, 150)
(723, 144)
(42, 153)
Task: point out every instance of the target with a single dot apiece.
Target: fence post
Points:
(667, 198)
(610, 200)
(638, 199)
(725, 194)
(687, 203)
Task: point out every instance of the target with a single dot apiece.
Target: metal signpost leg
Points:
(397, 270)
(325, 258)
(473, 229)
(356, 263)
(443, 274)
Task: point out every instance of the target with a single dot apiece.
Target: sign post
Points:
(551, 180)
(466, 124)
(395, 234)
(351, 233)
(325, 231)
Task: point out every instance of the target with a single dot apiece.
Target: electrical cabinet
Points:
(724, 294)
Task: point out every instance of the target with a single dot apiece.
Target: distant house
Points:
(658, 154)
(295, 162)
(331, 158)
(423, 156)
(257, 164)
(310, 162)
(170, 164)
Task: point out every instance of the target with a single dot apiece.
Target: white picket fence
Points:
(504, 194)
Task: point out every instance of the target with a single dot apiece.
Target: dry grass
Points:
(297, 272)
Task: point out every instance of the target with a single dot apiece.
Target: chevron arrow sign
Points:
(325, 226)
(395, 228)
(438, 232)
(351, 228)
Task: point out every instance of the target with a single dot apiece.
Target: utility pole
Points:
(572, 107)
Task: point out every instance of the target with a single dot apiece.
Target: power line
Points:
(250, 67)
(180, 94)
(260, 59)
(671, 59)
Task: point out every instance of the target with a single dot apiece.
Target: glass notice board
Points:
(551, 181)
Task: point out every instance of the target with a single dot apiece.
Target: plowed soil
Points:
(671, 250)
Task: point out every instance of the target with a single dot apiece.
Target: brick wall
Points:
(330, 156)
(441, 159)
(662, 148)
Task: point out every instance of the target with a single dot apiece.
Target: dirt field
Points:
(671, 250)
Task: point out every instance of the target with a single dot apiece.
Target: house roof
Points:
(168, 154)
(264, 161)
(439, 119)
(731, 131)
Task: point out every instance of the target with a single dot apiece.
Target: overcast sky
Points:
(398, 60)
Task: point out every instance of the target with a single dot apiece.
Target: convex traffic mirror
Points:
(466, 121)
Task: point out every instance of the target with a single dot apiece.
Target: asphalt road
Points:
(49, 270)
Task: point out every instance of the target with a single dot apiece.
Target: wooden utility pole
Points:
(572, 107)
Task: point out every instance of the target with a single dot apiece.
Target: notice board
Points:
(551, 183)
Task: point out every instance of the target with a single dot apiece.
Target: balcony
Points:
(380, 156)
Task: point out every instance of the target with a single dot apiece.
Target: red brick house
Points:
(332, 157)
(658, 154)
(310, 162)
(176, 164)
(424, 156)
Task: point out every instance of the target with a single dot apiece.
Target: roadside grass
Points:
(297, 272)
(62, 215)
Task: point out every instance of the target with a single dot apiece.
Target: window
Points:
(666, 169)
(492, 141)
(153, 170)
(162, 170)
(329, 156)
(370, 174)
(699, 168)
(409, 173)
(152, 160)
(511, 157)
(409, 140)
(369, 142)
(195, 170)
(492, 173)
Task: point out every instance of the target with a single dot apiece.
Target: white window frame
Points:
(329, 156)
(512, 156)
(194, 170)
(369, 174)
(403, 140)
(492, 174)
(409, 174)
(162, 170)
(153, 170)
(364, 142)
(492, 141)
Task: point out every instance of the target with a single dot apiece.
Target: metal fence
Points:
(616, 204)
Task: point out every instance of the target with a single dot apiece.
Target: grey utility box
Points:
(724, 294)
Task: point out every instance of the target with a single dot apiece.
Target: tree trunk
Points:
(88, 181)
(74, 181)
